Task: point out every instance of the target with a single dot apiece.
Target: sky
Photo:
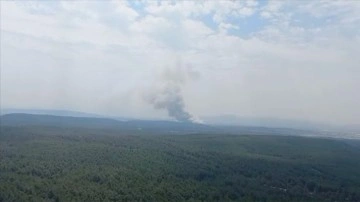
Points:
(281, 59)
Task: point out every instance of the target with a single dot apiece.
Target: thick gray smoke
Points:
(170, 99)
(167, 94)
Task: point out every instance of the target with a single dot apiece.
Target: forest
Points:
(49, 163)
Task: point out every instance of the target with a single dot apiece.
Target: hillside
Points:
(155, 126)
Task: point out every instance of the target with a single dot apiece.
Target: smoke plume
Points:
(167, 95)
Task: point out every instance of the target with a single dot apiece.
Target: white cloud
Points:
(123, 8)
(151, 24)
(107, 52)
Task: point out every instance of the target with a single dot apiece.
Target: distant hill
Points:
(55, 112)
(48, 112)
(221, 120)
(171, 127)
(155, 127)
(141, 126)
(21, 119)
(265, 122)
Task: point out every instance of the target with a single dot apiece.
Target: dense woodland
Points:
(39, 163)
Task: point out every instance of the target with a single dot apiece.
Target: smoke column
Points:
(168, 96)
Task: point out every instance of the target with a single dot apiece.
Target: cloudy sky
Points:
(283, 59)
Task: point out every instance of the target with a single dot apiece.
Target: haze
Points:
(282, 59)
